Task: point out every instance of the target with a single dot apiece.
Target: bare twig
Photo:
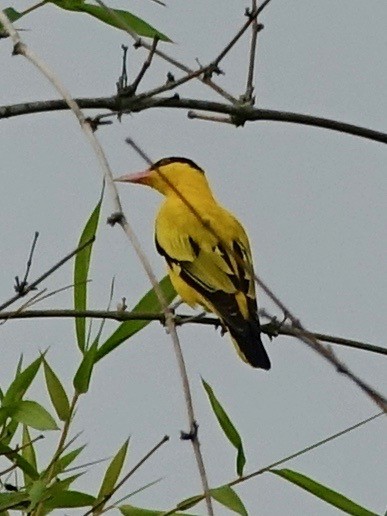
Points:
(45, 275)
(255, 28)
(252, 17)
(132, 88)
(21, 285)
(107, 497)
(219, 119)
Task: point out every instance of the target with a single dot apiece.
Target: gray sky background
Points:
(312, 201)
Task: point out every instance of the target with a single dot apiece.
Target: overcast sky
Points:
(313, 203)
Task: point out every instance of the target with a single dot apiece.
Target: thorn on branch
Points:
(122, 82)
(170, 78)
(19, 49)
(212, 69)
(95, 122)
(115, 218)
(192, 435)
(137, 44)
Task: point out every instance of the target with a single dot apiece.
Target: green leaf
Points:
(227, 427)
(114, 17)
(113, 471)
(149, 303)
(32, 414)
(62, 485)
(81, 272)
(22, 381)
(28, 453)
(131, 510)
(57, 393)
(70, 499)
(324, 493)
(62, 463)
(228, 497)
(190, 502)
(19, 461)
(37, 492)
(83, 375)
(12, 500)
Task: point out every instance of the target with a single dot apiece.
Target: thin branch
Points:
(126, 477)
(21, 285)
(45, 275)
(210, 118)
(132, 88)
(255, 28)
(242, 114)
(193, 426)
(270, 329)
(260, 471)
(253, 16)
(305, 450)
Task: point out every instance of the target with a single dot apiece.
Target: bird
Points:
(207, 251)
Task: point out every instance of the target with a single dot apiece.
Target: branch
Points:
(241, 113)
(271, 329)
(260, 471)
(45, 275)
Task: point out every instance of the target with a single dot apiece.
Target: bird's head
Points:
(169, 175)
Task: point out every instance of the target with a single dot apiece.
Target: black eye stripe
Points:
(173, 159)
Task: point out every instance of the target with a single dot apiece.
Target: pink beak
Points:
(137, 177)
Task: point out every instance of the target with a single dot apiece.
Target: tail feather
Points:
(247, 338)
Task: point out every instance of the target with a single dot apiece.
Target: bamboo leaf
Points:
(12, 500)
(28, 453)
(81, 273)
(228, 497)
(83, 375)
(149, 303)
(113, 471)
(22, 381)
(57, 393)
(324, 493)
(17, 459)
(227, 427)
(32, 414)
(62, 463)
(114, 17)
(70, 499)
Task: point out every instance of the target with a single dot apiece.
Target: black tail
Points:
(247, 337)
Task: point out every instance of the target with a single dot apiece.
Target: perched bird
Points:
(207, 251)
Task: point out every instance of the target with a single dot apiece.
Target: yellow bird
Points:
(210, 267)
